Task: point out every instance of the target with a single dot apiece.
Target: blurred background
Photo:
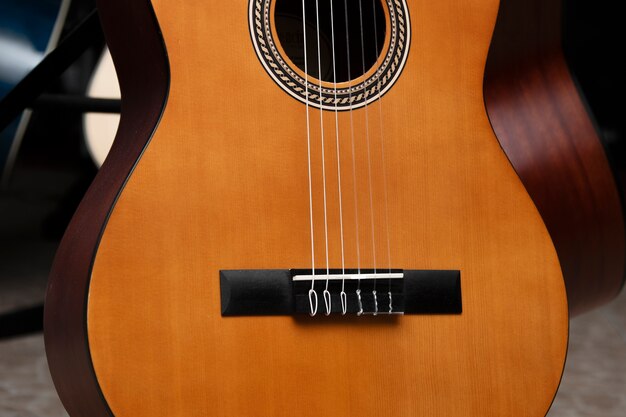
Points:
(48, 157)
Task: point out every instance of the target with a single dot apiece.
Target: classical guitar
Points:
(305, 211)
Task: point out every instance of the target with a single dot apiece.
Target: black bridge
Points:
(280, 292)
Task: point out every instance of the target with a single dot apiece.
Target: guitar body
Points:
(134, 323)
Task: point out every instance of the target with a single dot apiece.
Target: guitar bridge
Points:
(279, 292)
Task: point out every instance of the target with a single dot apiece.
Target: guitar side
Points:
(541, 121)
(144, 97)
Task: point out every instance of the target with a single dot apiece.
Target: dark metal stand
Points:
(76, 103)
(28, 94)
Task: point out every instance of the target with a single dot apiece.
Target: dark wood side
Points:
(543, 125)
(135, 41)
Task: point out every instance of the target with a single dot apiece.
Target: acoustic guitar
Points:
(305, 212)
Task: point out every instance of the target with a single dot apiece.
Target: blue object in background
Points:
(26, 31)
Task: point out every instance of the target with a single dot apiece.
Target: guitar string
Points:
(308, 142)
(332, 31)
(354, 183)
(382, 150)
(367, 140)
(319, 75)
(369, 164)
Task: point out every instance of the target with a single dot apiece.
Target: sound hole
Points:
(362, 55)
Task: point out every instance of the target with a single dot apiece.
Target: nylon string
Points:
(382, 151)
(367, 139)
(356, 210)
(332, 31)
(319, 74)
(308, 142)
